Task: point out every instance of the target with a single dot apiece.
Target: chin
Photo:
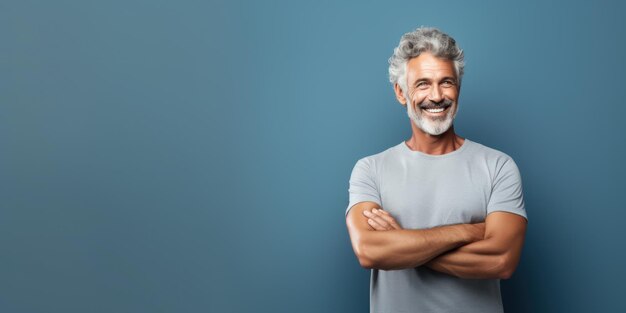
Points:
(434, 128)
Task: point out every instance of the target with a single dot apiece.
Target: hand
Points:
(381, 220)
(476, 231)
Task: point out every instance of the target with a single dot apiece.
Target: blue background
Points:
(193, 156)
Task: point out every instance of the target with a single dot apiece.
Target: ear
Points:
(399, 94)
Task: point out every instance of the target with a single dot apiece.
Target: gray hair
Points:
(423, 39)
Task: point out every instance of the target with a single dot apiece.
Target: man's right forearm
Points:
(408, 248)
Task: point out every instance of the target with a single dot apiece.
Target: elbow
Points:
(364, 254)
(366, 263)
(505, 274)
(506, 267)
(370, 264)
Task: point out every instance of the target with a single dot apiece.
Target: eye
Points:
(448, 83)
(422, 85)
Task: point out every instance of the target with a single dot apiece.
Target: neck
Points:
(434, 144)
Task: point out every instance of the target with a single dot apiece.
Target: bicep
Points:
(355, 220)
(505, 231)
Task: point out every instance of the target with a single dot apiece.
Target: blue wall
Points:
(187, 156)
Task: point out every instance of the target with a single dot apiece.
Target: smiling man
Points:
(438, 219)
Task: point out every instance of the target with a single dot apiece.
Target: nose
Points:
(435, 94)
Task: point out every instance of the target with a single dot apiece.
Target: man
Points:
(438, 219)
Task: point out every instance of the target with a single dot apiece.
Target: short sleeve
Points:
(507, 194)
(363, 185)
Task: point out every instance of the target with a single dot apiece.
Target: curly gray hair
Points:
(423, 39)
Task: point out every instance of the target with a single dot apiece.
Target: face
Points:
(432, 93)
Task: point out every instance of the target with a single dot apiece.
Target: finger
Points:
(369, 215)
(382, 219)
(388, 218)
(374, 224)
(381, 222)
(369, 225)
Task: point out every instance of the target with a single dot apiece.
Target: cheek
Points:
(451, 94)
(419, 97)
(416, 103)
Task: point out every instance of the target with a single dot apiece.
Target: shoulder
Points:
(489, 154)
(496, 161)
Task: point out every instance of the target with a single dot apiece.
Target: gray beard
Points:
(433, 127)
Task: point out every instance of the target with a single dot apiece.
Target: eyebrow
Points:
(419, 80)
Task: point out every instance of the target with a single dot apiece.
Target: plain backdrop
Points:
(194, 156)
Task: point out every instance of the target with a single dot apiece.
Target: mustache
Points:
(427, 104)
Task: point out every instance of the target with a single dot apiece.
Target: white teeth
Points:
(435, 110)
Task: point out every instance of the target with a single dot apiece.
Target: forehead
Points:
(428, 66)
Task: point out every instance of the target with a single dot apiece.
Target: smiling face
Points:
(432, 93)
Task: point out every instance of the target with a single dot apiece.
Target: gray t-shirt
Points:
(424, 191)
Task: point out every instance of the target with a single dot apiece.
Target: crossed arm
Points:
(483, 250)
